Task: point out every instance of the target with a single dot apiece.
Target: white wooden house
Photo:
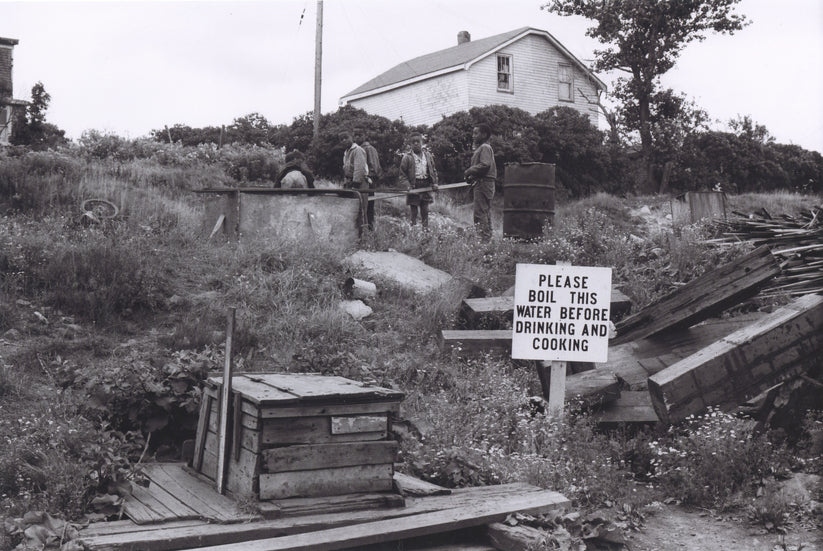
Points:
(525, 68)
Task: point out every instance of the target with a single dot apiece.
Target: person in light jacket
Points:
(417, 171)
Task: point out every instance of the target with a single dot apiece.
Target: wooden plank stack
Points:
(301, 435)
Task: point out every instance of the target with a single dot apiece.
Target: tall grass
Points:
(150, 278)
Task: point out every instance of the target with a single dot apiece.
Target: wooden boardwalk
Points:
(174, 494)
(214, 521)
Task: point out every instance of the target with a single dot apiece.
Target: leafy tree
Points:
(30, 128)
(186, 135)
(325, 152)
(644, 39)
(514, 138)
(252, 129)
(746, 159)
(571, 142)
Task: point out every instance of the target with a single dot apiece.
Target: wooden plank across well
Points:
(702, 297)
(327, 482)
(192, 534)
(324, 456)
(782, 345)
(406, 527)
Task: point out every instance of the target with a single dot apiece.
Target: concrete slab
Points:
(404, 270)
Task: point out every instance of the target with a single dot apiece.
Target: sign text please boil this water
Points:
(561, 313)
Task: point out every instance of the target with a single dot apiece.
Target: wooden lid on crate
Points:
(275, 389)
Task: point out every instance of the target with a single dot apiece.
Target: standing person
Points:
(417, 170)
(372, 157)
(375, 170)
(295, 173)
(481, 175)
(356, 171)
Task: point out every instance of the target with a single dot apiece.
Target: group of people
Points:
(362, 171)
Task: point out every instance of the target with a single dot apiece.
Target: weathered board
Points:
(740, 366)
(324, 456)
(593, 388)
(701, 298)
(476, 341)
(187, 534)
(633, 363)
(380, 531)
(174, 494)
(632, 407)
(327, 482)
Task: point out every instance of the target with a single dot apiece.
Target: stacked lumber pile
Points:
(797, 241)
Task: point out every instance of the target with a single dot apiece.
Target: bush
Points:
(710, 458)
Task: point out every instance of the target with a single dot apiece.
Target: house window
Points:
(565, 82)
(504, 73)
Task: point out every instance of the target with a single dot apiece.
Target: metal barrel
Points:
(528, 199)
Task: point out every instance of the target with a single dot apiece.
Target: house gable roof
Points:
(461, 56)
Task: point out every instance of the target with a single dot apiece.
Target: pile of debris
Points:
(684, 353)
(797, 241)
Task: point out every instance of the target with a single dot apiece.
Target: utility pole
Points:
(318, 66)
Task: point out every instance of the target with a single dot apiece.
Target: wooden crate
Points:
(300, 435)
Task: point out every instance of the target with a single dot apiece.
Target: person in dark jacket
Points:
(482, 174)
(417, 170)
(295, 173)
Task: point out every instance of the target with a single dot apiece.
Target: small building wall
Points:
(535, 63)
(424, 102)
(6, 88)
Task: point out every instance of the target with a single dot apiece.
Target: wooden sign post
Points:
(561, 314)
(225, 401)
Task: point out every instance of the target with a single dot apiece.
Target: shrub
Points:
(710, 458)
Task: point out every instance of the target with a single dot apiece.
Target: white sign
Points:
(561, 313)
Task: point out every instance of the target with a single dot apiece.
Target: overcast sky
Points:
(130, 67)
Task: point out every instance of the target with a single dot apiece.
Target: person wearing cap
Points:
(417, 171)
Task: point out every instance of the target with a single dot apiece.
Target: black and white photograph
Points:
(439, 275)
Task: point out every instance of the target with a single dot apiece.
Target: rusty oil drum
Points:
(528, 199)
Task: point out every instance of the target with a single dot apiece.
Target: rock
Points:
(176, 300)
(645, 210)
(356, 309)
(22, 302)
(40, 317)
(12, 335)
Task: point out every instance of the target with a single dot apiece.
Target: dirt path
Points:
(675, 529)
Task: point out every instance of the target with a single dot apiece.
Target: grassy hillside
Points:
(108, 328)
